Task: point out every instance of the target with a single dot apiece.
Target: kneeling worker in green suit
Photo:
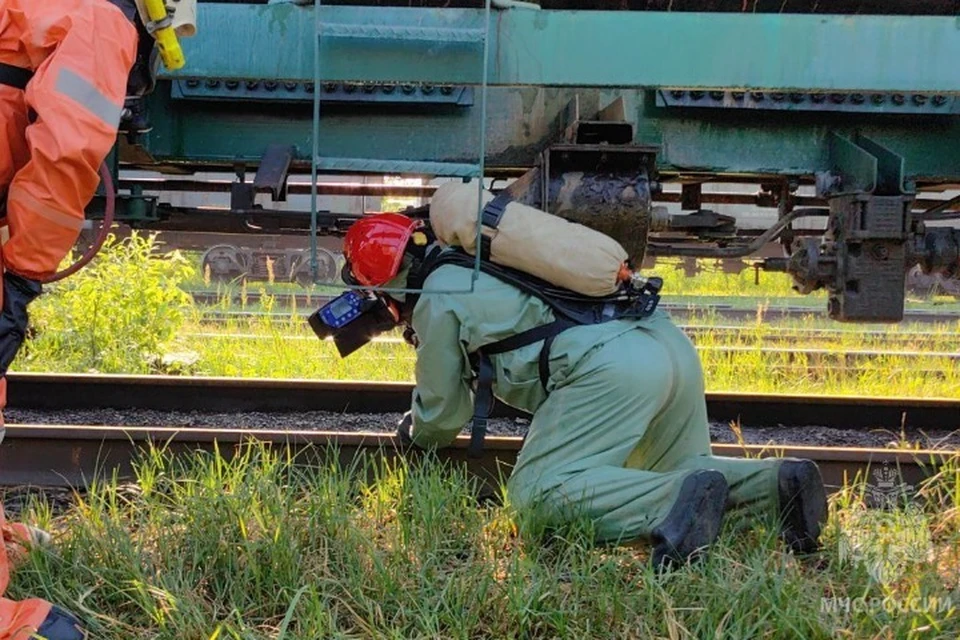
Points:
(619, 430)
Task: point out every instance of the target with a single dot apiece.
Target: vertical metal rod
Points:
(483, 142)
(314, 266)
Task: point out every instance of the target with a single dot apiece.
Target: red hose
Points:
(104, 229)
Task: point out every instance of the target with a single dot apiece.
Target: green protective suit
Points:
(621, 424)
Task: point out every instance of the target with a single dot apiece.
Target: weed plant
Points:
(200, 548)
(114, 316)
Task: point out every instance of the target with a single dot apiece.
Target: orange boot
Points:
(32, 619)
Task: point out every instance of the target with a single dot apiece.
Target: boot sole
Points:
(694, 522)
(803, 505)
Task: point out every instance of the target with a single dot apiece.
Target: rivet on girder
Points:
(676, 94)
(427, 89)
(252, 84)
(370, 87)
(270, 85)
(757, 95)
(193, 84)
(290, 86)
(776, 96)
(919, 99)
(737, 95)
(818, 98)
(857, 98)
(797, 98)
(696, 95)
(838, 98)
(716, 95)
(212, 83)
(446, 89)
(898, 99)
(877, 98)
(389, 88)
(231, 84)
(329, 87)
(408, 88)
(939, 100)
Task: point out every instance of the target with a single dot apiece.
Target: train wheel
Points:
(327, 270)
(225, 263)
(928, 286)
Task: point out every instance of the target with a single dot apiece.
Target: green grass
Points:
(286, 348)
(200, 548)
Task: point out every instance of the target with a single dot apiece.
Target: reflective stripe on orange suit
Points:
(81, 52)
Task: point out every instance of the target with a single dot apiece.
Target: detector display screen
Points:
(342, 310)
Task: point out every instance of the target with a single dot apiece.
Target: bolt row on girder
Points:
(897, 99)
(328, 87)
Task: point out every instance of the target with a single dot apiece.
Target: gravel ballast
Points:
(385, 422)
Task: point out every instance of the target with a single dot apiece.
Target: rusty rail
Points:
(40, 391)
(72, 456)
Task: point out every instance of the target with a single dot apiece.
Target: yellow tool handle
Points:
(170, 51)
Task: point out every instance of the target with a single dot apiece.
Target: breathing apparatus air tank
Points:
(565, 254)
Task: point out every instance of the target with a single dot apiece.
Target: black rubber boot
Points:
(60, 624)
(803, 505)
(694, 521)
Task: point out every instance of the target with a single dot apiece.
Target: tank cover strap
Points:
(490, 217)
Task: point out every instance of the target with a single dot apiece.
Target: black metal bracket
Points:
(271, 178)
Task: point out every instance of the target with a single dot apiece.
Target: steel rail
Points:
(750, 336)
(790, 347)
(73, 456)
(677, 309)
(55, 392)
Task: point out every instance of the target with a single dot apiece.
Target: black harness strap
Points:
(543, 364)
(482, 405)
(490, 217)
(16, 77)
(483, 402)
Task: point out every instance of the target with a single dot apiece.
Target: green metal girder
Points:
(523, 121)
(588, 48)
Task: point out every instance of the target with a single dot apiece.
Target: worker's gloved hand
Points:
(18, 292)
(410, 336)
(403, 429)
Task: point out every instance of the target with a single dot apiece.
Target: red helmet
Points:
(374, 247)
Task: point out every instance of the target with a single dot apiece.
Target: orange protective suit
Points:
(53, 137)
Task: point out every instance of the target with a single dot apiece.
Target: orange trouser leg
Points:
(13, 155)
(20, 620)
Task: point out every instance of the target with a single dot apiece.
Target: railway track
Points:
(679, 311)
(57, 392)
(794, 352)
(719, 335)
(56, 455)
(72, 456)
